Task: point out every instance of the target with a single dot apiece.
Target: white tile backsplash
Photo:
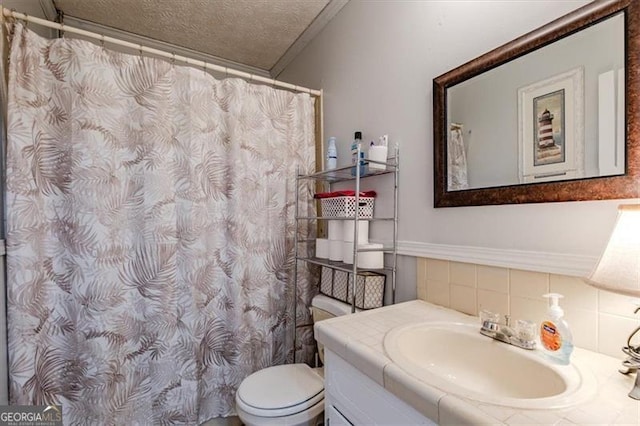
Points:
(584, 325)
(613, 332)
(617, 304)
(577, 294)
(493, 278)
(528, 284)
(463, 299)
(493, 301)
(421, 277)
(438, 270)
(438, 293)
(600, 321)
(462, 274)
(529, 309)
(421, 264)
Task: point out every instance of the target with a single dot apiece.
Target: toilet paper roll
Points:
(371, 259)
(363, 231)
(322, 248)
(335, 230)
(335, 250)
(377, 153)
(347, 252)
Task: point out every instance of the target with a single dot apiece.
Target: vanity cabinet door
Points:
(335, 417)
(358, 400)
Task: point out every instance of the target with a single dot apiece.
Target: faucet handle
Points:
(486, 315)
(526, 330)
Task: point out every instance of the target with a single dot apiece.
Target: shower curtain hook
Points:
(102, 41)
(10, 24)
(140, 49)
(273, 83)
(11, 18)
(226, 72)
(173, 59)
(204, 67)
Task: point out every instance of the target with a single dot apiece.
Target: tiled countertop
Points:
(358, 339)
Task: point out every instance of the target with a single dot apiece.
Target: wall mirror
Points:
(550, 116)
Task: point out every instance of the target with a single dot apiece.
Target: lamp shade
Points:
(618, 269)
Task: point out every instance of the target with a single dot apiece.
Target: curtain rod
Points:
(168, 55)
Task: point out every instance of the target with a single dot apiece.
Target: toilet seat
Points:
(280, 391)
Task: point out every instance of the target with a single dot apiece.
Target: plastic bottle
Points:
(332, 154)
(555, 337)
(357, 140)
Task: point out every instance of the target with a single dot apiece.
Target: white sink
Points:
(457, 359)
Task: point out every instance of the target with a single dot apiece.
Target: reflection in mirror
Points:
(553, 114)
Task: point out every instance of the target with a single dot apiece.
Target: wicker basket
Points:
(346, 207)
(369, 287)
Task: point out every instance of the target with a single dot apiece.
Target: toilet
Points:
(291, 394)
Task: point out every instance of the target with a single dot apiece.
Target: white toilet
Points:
(291, 394)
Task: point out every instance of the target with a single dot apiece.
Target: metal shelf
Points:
(370, 219)
(340, 266)
(342, 174)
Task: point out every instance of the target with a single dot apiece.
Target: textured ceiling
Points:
(250, 32)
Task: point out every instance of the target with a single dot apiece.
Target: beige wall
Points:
(599, 320)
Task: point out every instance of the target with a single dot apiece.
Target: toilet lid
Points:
(280, 391)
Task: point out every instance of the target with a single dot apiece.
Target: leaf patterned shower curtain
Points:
(150, 226)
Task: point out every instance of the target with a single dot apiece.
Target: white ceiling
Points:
(255, 33)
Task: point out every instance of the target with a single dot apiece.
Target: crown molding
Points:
(161, 45)
(556, 263)
(330, 10)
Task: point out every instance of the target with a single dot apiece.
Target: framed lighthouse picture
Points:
(551, 128)
(548, 128)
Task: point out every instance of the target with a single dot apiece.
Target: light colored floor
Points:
(223, 421)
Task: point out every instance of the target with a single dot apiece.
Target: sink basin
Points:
(457, 359)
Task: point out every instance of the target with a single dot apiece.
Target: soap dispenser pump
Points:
(555, 337)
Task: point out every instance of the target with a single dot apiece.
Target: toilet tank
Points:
(324, 307)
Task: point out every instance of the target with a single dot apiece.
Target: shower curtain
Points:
(456, 160)
(150, 217)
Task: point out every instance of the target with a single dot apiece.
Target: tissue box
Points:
(369, 287)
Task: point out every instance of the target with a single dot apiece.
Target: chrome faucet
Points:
(505, 333)
(632, 363)
(629, 366)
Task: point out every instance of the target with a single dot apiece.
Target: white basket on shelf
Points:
(346, 207)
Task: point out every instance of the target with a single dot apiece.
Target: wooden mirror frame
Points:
(595, 188)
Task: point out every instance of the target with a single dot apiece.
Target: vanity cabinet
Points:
(352, 398)
(364, 386)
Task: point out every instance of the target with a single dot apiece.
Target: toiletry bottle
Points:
(354, 154)
(332, 154)
(555, 336)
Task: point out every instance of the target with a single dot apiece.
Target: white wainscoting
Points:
(556, 263)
